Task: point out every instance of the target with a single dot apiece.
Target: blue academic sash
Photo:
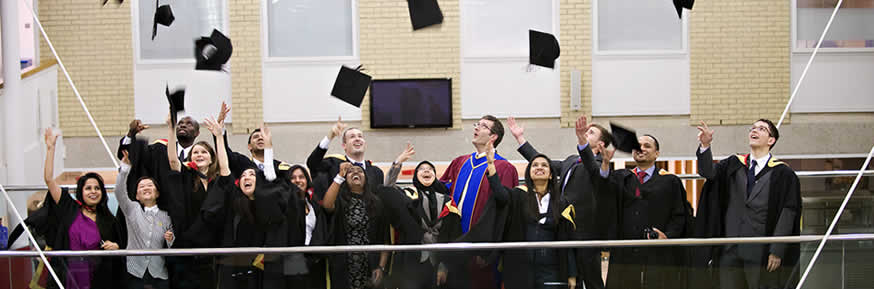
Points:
(466, 187)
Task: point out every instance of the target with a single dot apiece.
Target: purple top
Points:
(83, 235)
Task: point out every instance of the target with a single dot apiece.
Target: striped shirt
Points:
(145, 230)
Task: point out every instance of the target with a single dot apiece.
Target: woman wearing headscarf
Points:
(83, 223)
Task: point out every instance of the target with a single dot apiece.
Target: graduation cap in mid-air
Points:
(116, 1)
(176, 98)
(424, 13)
(542, 49)
(163, 16)
(212, 52)
(624, 139)
(351, 85)
(680, 4)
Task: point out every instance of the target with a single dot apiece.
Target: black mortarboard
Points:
(424, 13)
(680, 4)
(163, 16)
(212, 52)
(117, 1)
(542, 49)
(625, 139)
(177, 102)
(350, 86)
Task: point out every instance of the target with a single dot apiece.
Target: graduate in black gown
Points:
(535, 213)
(188, 186)
(650, 204)
(357, 218)
(308, 226)
(752, 195)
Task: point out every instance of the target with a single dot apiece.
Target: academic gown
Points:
(324, 168)
(519, 266)
(110, 271)
(377, 234)
(409, 270)
(785, 193)
(239, 162)
(662, 205)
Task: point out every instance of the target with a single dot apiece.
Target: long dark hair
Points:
(531, 208)
(306, 174)
(213, 170)
(105, 219)
(372, 203)
(243, 206)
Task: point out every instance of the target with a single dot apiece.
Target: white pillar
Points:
(11, 92)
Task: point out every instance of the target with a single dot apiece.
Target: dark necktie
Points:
(751, 178)
(640, 176)
(182, 155)
(432, 205)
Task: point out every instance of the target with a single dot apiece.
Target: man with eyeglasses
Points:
(752, 195)
(470, 192)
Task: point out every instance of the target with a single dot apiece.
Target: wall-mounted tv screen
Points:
(411, 103)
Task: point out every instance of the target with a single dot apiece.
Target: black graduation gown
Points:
(324, 168)
(519, 266)
(662, 205)
(111, 271)
(377, 234)
(785, 193)
(41, 225)
(239, 163)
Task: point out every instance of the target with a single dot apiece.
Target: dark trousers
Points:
(590, 268)
(415, 276)
(192, 272)
(147, 282)
(738, 273)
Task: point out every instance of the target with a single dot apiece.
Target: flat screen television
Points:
(411, 103)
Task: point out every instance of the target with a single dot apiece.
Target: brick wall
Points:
(389, 48)
(739, 60)
(245, 32)
(94, 44)
(575, 38)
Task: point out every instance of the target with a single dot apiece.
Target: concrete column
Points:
(11, 92)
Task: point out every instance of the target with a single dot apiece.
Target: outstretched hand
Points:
(223, 112)
(136, 126)
(214, 127)
(51, 138)
(582, 125)
(517, 130)
(705, 135)
(338, 128)
(490, 151)
(266, 135)
(405, 155)
(344, 167)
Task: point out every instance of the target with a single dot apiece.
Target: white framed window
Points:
(193, 19)
(638, 27)
(499, 28)
(315, 30)
(851, 31)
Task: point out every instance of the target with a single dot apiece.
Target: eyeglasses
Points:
(762, 129)
(482, 125)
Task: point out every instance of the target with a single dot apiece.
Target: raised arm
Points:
(500, 192)
(269, 170)
(314, 161)
(124, 203)
(222, 154)
(330, 198)
(49, 170)
(396, 166)
(706, 167)
(172, 158)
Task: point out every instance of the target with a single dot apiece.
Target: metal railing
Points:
(444, 246)
(801, 174)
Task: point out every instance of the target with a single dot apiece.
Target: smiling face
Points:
(539, 169)
(147, 192)
(247, 183)
(299, 179)
(201, 156)
(355, 178)
(425, 174)
(353, 142)
(256, 142)
(91, 192)
(760, 135)
(648, 152)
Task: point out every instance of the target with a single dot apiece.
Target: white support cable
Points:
(835, 220)
(70, 80)
(809, 62)
(42, 254)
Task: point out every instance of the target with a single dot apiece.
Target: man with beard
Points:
(323, 168)
(650, 204)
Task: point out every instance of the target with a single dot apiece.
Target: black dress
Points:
(357, 219)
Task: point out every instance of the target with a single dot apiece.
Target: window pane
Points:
(500, 27)
(853, 26)
(307, 28)
(638, 25)
(193, 20)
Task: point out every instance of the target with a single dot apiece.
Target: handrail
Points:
(802, 174)
(42, 66)
(443, 247)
